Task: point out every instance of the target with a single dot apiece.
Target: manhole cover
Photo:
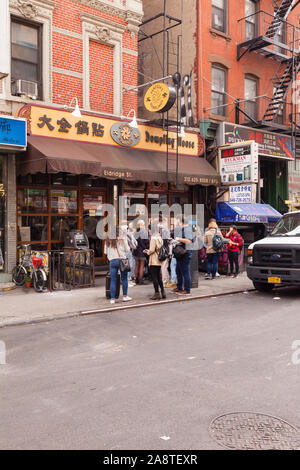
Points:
(254, 431)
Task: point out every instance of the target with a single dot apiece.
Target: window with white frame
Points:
(219, 15)
(250, 19)
(26, 57)
(251, 87)
(218, 89)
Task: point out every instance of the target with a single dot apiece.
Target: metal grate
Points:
(254, 431)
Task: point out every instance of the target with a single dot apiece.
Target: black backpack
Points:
(164, 251)
(217, 242)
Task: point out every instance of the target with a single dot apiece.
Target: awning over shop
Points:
(58, 155)
(248, 213)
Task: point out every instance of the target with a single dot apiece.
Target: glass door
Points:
(92, 209)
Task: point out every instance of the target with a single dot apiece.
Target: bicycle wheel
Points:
(18, 275)
(39, 280)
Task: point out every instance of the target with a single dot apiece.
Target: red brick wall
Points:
(101, 77)
(225, 46)
(68, 55)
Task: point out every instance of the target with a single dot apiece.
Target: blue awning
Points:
(246, 213)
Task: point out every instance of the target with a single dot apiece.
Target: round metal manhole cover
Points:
(254, 431)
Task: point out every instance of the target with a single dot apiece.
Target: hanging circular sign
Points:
(123, 134)
(159, 98)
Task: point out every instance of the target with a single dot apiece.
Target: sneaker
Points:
(183, 292)
(171, 284)
(155, 297)
(126, 298)
(236, 275)
(207, 276)
(175, 290)
(130, 284)
(231, 275)
(218, 275)
(112, 301)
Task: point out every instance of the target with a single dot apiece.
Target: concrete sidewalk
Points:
(23, 305)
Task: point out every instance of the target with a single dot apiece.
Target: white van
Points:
(275, 260)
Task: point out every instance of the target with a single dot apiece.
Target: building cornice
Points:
(33, 8)
(130, 14)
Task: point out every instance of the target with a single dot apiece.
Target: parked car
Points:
(275, 260)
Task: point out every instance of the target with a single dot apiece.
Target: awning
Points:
(58, 155)
(251, 213)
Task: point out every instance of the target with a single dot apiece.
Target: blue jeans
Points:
(130, 256)
(183, 272)
(114, 267)
(212, 263)
(173, 269)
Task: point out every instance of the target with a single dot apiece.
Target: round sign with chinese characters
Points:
(123, 134)
(159, 98)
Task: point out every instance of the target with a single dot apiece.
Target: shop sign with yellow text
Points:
(60, 124)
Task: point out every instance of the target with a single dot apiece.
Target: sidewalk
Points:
(23, 305)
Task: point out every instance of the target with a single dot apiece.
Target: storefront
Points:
(274, 153)
(12, 140)
(74, 165)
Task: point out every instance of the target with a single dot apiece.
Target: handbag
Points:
(179, 251)
(124, 264)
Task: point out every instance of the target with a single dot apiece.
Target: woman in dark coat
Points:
(142, 237)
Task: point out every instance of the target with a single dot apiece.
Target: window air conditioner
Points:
(25, 87)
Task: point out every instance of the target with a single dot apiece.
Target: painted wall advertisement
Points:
(238, 163)
(269, 144)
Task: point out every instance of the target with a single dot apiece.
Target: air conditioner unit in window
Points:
(25, 87)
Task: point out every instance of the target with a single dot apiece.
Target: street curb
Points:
(127, 306)
(6, 289)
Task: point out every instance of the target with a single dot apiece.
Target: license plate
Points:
(274, 280)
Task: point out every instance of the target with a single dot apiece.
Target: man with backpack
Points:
(234, 246)
(214, 242)
(183, 257)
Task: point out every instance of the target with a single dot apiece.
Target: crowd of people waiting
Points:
(166, 255)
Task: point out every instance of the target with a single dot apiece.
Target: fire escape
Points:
(274, 37)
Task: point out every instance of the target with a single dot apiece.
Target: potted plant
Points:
(28, 281)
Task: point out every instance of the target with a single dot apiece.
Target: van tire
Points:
(262, 286)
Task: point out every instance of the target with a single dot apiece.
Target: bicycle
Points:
(32, 266)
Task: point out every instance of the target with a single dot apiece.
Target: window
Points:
(251, 19)
(250, 95)
(218, 90)
(26, 63)
(219, 15)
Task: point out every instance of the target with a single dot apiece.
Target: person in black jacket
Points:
(142, 238)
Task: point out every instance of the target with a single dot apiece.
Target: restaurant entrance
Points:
(92, 202)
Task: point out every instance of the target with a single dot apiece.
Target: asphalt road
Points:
(126, 379)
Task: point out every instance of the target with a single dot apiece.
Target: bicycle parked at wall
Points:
(32, 266)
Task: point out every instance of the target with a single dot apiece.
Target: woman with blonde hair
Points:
(115, 248)
(211, 253)
(156, 242)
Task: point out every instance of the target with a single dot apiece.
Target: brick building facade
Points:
(84, 49)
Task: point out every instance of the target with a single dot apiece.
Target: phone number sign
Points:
(240, 194)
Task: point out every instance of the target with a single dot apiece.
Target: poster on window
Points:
(238, 163)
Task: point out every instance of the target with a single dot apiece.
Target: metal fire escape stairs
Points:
(286, 54)
(281, 89)
(259, 43)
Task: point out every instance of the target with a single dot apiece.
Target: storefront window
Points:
(61, 225)
(32, 201)
(63, 201)
(64, 179)
(2, 215)
(33, 229)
